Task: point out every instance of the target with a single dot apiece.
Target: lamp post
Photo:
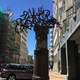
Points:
(40, 21)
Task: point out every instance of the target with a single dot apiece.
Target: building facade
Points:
(23, 48)
(66, 41)
(30, 59)
(4, 48)
(9, 40)
(51, 49)
(16, 51)
(13, 45)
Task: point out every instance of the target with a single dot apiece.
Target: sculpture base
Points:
(41, 65)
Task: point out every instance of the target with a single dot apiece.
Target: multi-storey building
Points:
(30, 59)
(3, 37)
(23, 48)
(54, 42)
(16, 50)
(51, 49)
(6, 38)
(66, 41)
(9, 41)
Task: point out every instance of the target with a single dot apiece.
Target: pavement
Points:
(56, 76)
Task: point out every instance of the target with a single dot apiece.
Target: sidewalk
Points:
(56, 76)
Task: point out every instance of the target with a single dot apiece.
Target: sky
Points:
(18, 6)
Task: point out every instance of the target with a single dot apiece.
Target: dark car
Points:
(16, 71)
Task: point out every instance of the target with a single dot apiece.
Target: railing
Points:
(74, 23)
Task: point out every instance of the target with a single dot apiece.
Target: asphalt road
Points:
(19, 79)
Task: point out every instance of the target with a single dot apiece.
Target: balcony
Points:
(74, 23)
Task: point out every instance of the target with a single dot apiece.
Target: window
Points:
(29, 68)
(21, 67)
(77, 4)
(70, 12)
(65, 25)
(12, 67)
(63, 3)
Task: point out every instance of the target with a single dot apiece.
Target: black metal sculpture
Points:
(40, 21)
(31, 19)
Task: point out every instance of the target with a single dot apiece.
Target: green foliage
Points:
(1, 13)
(4, 19)
(1, 16)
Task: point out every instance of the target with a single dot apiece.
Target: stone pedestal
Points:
(41, 54)
(41, 64)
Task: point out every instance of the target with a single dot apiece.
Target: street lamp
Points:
(40, 21)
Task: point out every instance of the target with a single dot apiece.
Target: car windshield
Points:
(2, 65)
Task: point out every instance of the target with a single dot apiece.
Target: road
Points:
(54, 76)
(19, 79)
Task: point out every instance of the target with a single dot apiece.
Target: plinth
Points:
(41, 54)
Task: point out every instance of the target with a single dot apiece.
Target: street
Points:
(17, 79)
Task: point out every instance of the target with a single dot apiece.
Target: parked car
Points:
(16, 71)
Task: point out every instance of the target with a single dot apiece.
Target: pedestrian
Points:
(51, 67)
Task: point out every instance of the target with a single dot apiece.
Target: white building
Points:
(23, 48)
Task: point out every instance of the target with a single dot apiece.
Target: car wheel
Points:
(11, 77)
